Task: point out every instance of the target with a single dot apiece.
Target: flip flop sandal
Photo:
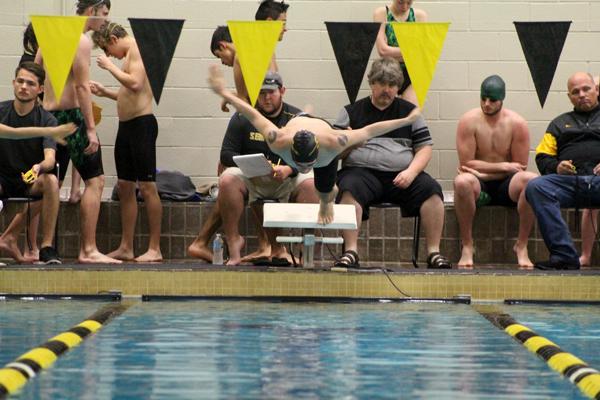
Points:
(349, 259)
(261, 261)
(438, 261)
(280, 262)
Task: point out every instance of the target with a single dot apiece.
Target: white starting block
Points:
(304, 216)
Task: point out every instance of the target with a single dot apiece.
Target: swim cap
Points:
(493, 88)
(305, 147)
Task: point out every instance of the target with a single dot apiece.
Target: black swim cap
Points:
(305, 147)
(493, 88)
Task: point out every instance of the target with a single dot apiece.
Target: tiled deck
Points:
(386, 237)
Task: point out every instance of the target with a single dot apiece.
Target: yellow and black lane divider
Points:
(16, 374)
(587, 379)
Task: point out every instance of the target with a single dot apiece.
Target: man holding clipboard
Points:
(279, 181)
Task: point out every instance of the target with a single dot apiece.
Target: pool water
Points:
(244, 350)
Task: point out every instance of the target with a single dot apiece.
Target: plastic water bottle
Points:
(217, 248)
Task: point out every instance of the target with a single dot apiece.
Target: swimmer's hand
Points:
(224, 107)
(97, 89)
(59, 133)
(414, 115)
(216, 81)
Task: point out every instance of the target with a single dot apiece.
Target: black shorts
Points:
(497, 192)
(13, 187)
(88, 166)
(369, 186)
(407, 82)
(325, 176)
(135, 149)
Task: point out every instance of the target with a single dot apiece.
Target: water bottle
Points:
(217, 248)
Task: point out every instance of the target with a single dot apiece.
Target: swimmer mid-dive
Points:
(307, 142)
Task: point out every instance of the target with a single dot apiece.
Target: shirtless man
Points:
(306, 142)
(83, 147)
(493, 149)
(135, 148)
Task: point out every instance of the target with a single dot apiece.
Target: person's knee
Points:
(463, 183)
(229, 182)
(49, 183)
(148, 189)
(305, 192)
(95, 183)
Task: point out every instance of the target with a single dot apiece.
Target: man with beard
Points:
(568, 157)
(493, 149)
(389, 168)
(25, 165)
(284, 181)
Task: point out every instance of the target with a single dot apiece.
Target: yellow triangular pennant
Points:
(58, 38)
(421, 45)
(255, 43)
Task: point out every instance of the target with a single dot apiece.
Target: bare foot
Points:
(31, 256)
(325, 213)
(522, 256)
(95, 257)
(466, 258)
(9, 246)
(259, 253)
(122, 254)
(585, 261)
(74, 197)
(151, 256)
(199, 249)
(235, 245)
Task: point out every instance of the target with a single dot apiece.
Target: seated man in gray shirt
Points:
(389, 168)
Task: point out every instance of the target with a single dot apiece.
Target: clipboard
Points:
(253, 165)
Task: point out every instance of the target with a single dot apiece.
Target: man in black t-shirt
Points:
(389, 168)
(25, 164)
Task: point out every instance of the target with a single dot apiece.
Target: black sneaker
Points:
(557, 265)
(48, 255)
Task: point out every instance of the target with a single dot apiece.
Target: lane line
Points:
(586, 378)
(15, 374)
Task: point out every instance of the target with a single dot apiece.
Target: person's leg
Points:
(75, 194)
(89, 211)
(351, 235)
(48, 187)
(129, 211)
(516, 191)
(32, 254)
(231, 203)
(9, 238)
(154, 214)
(466, 192)
(589, 229)
(546, 195)
(264, 236)
(200, 247)
(325, 178)
(432, 218)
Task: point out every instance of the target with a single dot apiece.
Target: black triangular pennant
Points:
(156, 39)
(352, 44)
(542, 43)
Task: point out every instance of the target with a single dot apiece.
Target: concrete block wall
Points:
(481, 41)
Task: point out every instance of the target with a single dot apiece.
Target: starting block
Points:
(305, 216)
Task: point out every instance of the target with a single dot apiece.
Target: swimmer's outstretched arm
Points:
(378, 128)
(56, 132)
(262, 124)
